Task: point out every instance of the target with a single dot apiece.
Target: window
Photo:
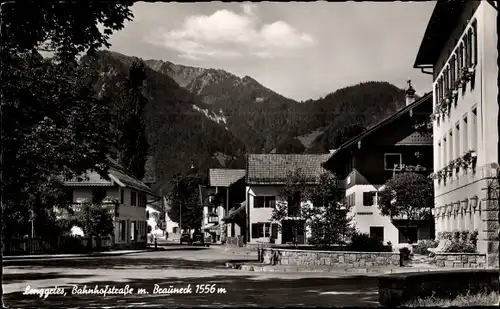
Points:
(467, 51)
(465, 135)
(351, 199)
(260, 230)
(450, 145)
(391, 160)
(460, 59)
(122, 195)
(445, 152)
(264, 202)
(439, 157)
(377, 232)
(452, 70)
(149, 229)
(98, 194)
(457, 140)
(147, 214)
(142, 200)
(122, 230)
(446, 84)
(133, 198)
(132, 230)
(474, 40)
(368, 198)
(473, 139)
(175, 230)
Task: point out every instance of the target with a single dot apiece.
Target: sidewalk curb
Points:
(70, 256)
(340, 271)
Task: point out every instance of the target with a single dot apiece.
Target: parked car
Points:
(186, 239)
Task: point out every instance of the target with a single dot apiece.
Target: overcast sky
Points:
(300, 50)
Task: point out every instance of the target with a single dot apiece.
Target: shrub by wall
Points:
(395, 289)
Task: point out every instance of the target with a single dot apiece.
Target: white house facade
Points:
(129, 210)
(266, 176)
(462, 57)
(401, 142)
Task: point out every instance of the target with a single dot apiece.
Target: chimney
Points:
(410, 94)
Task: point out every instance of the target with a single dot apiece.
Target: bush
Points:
(363, 242)
(461, 242)
(422, 246)
(483, 299)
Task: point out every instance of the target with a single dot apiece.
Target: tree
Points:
(331, 223)
(67, 29)
(159, 217)
(407, 196)
(50, 122)
(53, 126)
(95, 220)
(184, 200)
(293, 200)
(132, 147)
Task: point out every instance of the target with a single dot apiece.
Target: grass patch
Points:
(482, 299)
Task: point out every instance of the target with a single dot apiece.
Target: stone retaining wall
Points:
(460, 260)
(331, 258)
(255, 247)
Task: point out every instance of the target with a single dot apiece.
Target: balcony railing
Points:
(213, 219)
(113, 208)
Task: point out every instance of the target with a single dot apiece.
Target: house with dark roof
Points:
(223, 219)
(401, 142)
(459, 52)
(266, 175)
(124, 195)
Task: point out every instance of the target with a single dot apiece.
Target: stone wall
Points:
(331, 258)
(460, 260)
(255, 247)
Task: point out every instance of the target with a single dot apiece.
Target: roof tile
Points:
(224, 177)
(274, 168)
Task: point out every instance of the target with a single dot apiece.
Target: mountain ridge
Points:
(243, 116)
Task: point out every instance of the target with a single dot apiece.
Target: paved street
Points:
(179, 267)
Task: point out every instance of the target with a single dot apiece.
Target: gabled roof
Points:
(224, 177)
(275, 168)
(444, 19)
(118, 176)
(381, 124)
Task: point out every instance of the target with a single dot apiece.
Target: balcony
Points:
(113, 209)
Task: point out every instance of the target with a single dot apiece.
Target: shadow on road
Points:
(239, 291)
(14, 278)
(129, 262)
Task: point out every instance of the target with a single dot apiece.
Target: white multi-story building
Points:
(366, 162)
(266, 177)
(129, 210)
(459, 49)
